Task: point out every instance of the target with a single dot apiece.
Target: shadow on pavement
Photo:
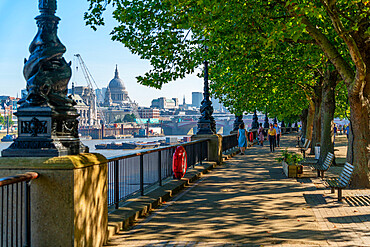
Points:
(247, 201)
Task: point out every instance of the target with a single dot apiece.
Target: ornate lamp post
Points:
(275, 120)
(255, 120)
(47, 120)
(237, 122)
(206, 123)
(266, 123)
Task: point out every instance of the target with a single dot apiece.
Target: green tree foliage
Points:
(2, 120)
(261, 53)
(342, 109)
(129, 118)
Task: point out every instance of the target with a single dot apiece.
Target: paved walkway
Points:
(248, 202)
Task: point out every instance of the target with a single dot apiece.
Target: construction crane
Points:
(90, 81)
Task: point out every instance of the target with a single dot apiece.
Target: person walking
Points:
(242, 138)
(335, 129)
(271, 135)
(261, 137)
(278, 133)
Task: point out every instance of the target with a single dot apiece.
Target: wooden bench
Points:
(305, 147)
(300, 143)
(341, 182)
(309, 161)
(321, 168)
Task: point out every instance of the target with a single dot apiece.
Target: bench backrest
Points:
(308, 144)
(305, 143)
(328, 161)
(346, 174)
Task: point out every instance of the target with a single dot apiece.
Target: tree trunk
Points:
(303, 117)
(359, 101)
(357, 82)
(310, 117)
(360, 142)
(327, 114)
(316, 132)
(349, 157)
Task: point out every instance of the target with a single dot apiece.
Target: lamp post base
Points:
(43, 132)
(204, 128)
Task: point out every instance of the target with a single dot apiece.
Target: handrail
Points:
(228, 135)
(13, 218)
(148, 151)
(18, 178)
(134, 173)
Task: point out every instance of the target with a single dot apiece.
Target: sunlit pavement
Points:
(249, 202)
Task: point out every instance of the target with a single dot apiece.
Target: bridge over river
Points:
(247, 201)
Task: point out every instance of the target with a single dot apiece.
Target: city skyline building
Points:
(117, 103)
(117, 90)
(83, 110)
(86, 105)
(100, 93)
(8, 105)
(196, 99)
(218, 106)
(149, 113)
(164, 103)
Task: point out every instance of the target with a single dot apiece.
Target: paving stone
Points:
(249, 202)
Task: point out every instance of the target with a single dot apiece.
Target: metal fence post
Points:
(142, 174)
(205, 151)
(201, 152)
(11, 213)
(27, 212)
(116, 183)
(160, 168)
(194, 156)
(1, 214)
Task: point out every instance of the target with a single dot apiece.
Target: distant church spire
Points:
(116, 72)
(184, 101)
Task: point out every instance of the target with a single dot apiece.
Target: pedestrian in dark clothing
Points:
(278, 133)
(271, 135)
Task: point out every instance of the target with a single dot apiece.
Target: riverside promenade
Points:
(247, 201)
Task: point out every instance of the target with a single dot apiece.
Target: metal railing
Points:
(229, 142)
(15, 228)
(134, 173)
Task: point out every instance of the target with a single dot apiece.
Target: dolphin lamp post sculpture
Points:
(238, 120)
(266, 124)
(206, 123)
(47, 119)
(255, 120)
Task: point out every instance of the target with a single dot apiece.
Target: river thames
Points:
(107, 153)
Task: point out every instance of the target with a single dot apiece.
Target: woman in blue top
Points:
(242, 138)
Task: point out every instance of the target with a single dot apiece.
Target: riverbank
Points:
(107, 153)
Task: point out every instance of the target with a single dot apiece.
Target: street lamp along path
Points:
(48, 125)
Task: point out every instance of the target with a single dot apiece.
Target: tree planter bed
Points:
(292, 171)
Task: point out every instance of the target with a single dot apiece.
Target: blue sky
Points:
(18, 27)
